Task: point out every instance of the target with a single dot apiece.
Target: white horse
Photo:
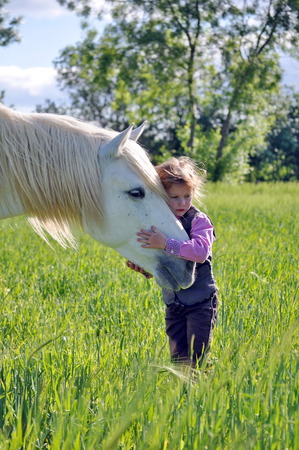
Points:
(64, 174)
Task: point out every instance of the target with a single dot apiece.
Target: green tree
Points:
(202, 73)
(250, 61)
(278, 159)
(147, 62)
(8, 26)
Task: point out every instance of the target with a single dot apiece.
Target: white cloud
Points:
(33, 80)
(36, 8)
(46, 8)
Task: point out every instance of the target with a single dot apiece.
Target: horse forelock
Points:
(139, 162)
(52, 162)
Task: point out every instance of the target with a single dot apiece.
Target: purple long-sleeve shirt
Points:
(199, 246)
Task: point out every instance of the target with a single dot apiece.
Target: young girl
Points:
(190, 313)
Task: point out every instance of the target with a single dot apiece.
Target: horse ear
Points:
(113, 147)
(135, 134)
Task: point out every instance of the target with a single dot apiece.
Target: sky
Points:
(27, 73)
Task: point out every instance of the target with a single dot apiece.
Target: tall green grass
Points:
(84, 356)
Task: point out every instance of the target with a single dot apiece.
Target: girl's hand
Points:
(152, 238)
(139, 269)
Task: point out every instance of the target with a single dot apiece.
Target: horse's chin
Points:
(165, 280)
(168, 278)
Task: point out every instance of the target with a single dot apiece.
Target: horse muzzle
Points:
(174, 273)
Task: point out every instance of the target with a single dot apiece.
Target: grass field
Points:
(84, 355)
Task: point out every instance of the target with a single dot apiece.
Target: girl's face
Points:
(180, 198)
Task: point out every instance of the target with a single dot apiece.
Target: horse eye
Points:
(137, 193)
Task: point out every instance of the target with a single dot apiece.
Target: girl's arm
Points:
(196, 249)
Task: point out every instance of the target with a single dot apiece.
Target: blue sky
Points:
(27, 73)
(26, 69)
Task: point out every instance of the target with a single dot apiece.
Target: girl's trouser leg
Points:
(189, 329)
(176, 329)
(201, 319)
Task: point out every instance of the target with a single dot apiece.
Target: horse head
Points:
(133, 198)
(64, 174)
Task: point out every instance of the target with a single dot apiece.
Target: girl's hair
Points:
(182, 170)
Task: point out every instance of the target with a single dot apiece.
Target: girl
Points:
(190, 313)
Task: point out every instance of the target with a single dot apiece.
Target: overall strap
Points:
(188, 217)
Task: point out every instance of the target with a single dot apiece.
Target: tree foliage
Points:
(278, 159)
(203, 74)
(8, 26)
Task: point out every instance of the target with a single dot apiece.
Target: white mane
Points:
(52, 162)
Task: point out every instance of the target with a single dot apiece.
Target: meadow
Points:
(84, 360)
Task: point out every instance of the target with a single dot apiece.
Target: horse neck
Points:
(10, 203)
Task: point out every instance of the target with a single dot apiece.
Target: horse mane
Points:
(52, 163)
